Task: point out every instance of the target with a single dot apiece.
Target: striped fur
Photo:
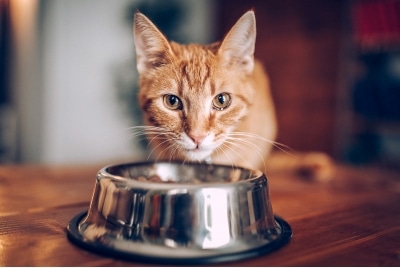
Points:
(240, 134)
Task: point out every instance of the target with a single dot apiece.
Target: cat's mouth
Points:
(196, 151)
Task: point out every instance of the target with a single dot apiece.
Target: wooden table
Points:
(353, 220)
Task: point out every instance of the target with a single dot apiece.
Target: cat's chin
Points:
(197, 155)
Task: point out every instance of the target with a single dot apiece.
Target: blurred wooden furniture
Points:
(353, 220)
(299, 43)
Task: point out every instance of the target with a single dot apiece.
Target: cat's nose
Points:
(197, 138)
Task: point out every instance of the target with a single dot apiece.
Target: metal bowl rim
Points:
(103, 173)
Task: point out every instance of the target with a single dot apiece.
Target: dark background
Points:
(334, 70)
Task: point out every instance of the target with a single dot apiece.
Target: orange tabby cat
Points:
(205, 102)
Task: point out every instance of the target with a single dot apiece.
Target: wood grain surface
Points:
(352, 220)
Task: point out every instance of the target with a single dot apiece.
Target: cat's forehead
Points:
(197, 50)
(193, 55)
(195, 65)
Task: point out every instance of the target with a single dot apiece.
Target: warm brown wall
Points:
(299, 42)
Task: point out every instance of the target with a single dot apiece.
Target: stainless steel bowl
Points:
(179, 213)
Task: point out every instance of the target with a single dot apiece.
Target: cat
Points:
(208, 103)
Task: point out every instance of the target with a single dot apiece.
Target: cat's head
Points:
(196, 94)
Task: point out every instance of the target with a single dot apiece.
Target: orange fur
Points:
(205, 102)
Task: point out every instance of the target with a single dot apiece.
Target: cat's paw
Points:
(316, 166)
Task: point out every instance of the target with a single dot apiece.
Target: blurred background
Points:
(68, 78)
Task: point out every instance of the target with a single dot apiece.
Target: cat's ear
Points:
(152, 48)
(237, 48)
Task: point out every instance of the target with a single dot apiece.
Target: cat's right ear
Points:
(237, 48)
(152, 48)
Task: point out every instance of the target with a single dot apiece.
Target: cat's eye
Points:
(172, 102)
(221, 101)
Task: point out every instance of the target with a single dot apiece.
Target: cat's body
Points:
(205, 103)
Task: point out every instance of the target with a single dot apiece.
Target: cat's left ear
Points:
(237, 48)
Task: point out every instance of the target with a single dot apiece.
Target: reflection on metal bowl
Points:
(180, 213)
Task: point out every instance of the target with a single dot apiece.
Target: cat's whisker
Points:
(252, 135)
(239, 141)
(143, 127)
(229, 145)
(158, 137)
(221, 149)
(147, 131)
(162, 152)
(161, 141)
(277, 145)
(155, 148)
(141, 135)
(153, 134)
(168, 148)
(237, 144)
(174, 149)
